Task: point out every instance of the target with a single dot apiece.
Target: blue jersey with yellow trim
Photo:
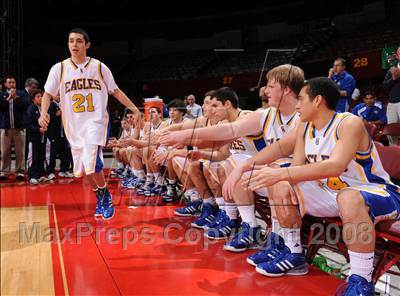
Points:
(366, 167)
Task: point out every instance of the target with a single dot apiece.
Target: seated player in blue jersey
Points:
(371, 110)
(336, 171)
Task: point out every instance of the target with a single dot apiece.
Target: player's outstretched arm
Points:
(284, 147)
(221, 132)
(124, 100)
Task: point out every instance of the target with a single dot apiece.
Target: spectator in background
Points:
(345, 81)
(30, 85)
(13, 106)
(392, 85)
(36, 139)
(371, 110)
(192, 109)
(264, 98)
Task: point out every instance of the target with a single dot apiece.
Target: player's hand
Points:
(44, 120)
(194, 155)
(178, 137)
(160, 158)
(42, 130)
(228, 188)
(262, 177)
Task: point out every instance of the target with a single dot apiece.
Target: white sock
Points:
(193, 194)
(149, 177)
(210, 200)
(248, 215)
(220, 202)
(292, 239)
(171, 182)
(140, 174)
(275, 226)
(362, 264)
(231, 210)
(158, 179)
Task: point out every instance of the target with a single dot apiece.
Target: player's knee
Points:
(194, 167)
(350, 203)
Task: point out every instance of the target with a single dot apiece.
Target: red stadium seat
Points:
(390, 157)
(392, 129)
(372, 129)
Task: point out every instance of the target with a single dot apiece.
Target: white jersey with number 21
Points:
(83, 91)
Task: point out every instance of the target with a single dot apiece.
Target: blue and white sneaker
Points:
(222, 227)
(146, 187)
(274, 247)
(127, 181)
(99, 205)
(286, 263)
(208, 214)
(108, 207)
(247, 238)
(156, 190)
(136, 184)
(193, 209)
(356, 286)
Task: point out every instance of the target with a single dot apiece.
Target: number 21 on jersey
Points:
(79, 105)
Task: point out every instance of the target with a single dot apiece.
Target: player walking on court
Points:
(84, 84)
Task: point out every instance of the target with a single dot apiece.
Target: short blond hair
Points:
(288, 75)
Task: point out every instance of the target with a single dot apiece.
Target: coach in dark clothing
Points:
(59, 143)
(13, 106)
(36, 139)
(392, 85)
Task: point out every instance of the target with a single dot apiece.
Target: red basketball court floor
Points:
(148, 250)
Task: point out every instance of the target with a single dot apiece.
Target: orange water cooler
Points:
(152, 102)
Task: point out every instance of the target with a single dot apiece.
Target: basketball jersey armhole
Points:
(305, 130)
(338, 126)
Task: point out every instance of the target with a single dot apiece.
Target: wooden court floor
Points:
(52, 244)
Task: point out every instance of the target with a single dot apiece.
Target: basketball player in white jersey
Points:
(284, 84)
(84, 84)
(336, 171)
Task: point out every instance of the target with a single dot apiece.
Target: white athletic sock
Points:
(193, 194)
(140, 174)
(292, 239)
(361, 264)
(248, 215)
(171, 181)
(231, 210)
(149, 177)
(210, 200)
(158, 179)
(275, 226)
(220, 202)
